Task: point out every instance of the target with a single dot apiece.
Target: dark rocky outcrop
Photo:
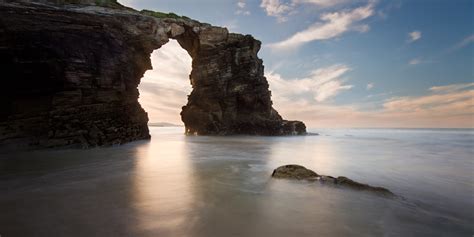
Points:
(294, 172)
(70, 75)
(301, 173)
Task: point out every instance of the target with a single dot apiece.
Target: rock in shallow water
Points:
(301, 173)
(294, 172)
(343, 181)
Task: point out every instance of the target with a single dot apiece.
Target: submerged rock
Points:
(301, 173)
(327, 179)
(343, 181)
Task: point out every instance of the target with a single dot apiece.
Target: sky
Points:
(337, 63)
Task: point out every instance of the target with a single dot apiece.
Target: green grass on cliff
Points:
(163, 15)
(117, 5)
(111, 4)
(102, 3)
(107, 3)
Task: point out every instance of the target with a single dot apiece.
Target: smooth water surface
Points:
(176, 185)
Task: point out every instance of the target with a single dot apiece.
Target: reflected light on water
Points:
(162, 184)
(175, 185)
(318, 155)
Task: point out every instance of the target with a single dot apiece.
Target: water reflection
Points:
(175, 185)
(228, 182)
(226, 190)
(162, 187)
(316, 154)
(67, 193)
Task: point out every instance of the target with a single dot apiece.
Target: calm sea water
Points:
(176, 185)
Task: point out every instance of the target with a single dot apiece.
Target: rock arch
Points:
(72, 73)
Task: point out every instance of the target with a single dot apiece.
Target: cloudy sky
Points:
(338, 63)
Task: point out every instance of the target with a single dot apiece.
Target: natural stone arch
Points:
(230, 93)
(91, 60)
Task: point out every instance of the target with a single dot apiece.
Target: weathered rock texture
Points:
(301, 173)
(70, 76)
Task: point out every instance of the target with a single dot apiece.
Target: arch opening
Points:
(165, 88)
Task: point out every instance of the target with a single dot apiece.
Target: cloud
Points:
(452, 103)
(331, 25)
(452, 108)
(321, 85)
(414, 36)
(463, 43)
(451, 88)
(242, 12)
(415, 61)
(322, 3)
(241, 4)
(276, 8)
(362, 28)
(370, 86)
(281, 9)
(164, 90)
(387, 8)
(384, 94)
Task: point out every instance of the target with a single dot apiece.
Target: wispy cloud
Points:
(392, 5)
(452, 108)
(164, 90)
(277, 9)
(383, 94)
(414, 36)
(452, 102)
(322, 3)
(321, 85)
(241, 4)
(451, 88)
(370, 86)
(281, 9)
(415, 61)
(361, 28)
(463, 43)
(241, 8)
(331, 25)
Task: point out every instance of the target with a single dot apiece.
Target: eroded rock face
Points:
(71, 74)
(301, 173)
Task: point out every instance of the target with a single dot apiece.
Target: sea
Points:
(177, 185)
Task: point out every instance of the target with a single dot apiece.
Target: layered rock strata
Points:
(71, 72)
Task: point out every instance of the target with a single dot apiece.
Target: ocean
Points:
(177, 185)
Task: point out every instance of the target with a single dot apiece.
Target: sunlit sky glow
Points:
(337, 63)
